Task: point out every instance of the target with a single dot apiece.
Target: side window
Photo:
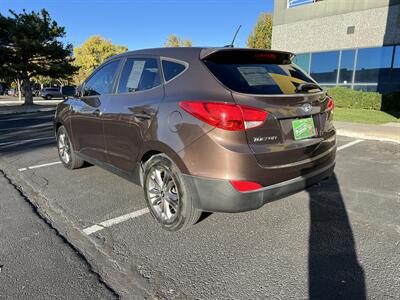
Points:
(101, 82)
(172, 69)
(139, 74)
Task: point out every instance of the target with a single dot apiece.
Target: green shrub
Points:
(348, 98)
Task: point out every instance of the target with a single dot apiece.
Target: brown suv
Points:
(201, 129)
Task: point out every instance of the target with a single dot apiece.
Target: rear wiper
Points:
(305, 87)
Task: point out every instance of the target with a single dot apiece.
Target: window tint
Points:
(139, 74)
(172, 69)
(303, 61)
(373, 64)
(101, 82)
(259, 78)
(324, 66)
(346, 67)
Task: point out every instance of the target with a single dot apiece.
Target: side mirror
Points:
(68, 91)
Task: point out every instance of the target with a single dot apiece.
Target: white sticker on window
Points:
(136, 73)
(256, 76)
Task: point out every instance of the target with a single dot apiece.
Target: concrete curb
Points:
(361, 135)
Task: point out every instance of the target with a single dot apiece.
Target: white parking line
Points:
(349, 145)
(40, 166)
(138, 213)
(114, 221)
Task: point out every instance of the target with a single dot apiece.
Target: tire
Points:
(66, 152)
(167, 197)
(48, 97)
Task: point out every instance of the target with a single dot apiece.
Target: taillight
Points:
(245, 186)
(226, 116)
(331, 104)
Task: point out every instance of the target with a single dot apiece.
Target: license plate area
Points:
(303, 128)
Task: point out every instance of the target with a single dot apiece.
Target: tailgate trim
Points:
(307, 160)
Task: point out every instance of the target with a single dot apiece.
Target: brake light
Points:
(331, 104)
(266, 55)
(226, 116)
(245, 186)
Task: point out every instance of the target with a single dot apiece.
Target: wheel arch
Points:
(161, 148)
(57, 125)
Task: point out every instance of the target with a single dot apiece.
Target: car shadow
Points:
(204, 215)
(334, 270)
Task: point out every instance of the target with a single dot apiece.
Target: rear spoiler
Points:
(245, 55)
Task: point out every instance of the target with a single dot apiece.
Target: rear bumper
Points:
(217, 195)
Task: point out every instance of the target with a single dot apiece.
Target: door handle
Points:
(97, 113)
(142, 116)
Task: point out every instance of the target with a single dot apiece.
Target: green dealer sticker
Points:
(303, 128)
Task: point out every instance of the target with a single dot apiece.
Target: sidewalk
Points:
(389, 132)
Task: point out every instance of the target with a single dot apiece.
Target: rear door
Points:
(87, 114)
(130, 111)
(268, 80)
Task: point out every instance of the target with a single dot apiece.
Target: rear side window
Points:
(139, 74)
(254, 76)
(172, 69)
(101, 82)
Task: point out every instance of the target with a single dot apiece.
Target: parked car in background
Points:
(201, 129)
(36, 92)
(12, 92)
(50, 92)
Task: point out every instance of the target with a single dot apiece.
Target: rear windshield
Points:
(259, 78)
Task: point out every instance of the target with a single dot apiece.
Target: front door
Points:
(130, 111)
(87, 115)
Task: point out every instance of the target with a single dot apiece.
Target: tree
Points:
(30, 46)
(92, 53)
(42, 80)
(17, 82)
(175, 41)
(261, 36)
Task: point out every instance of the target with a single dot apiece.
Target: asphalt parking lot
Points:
(338, 239)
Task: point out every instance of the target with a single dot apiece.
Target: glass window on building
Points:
(324, 66)
(303, 61)
(396, 67)
(393, 83)
(346, 67)
(295, 3)
(374, 65)
(396, 62)
(366, 88)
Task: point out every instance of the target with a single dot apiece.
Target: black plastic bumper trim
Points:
(215, 195)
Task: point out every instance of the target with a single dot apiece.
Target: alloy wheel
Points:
(163, 194)
(64, 147)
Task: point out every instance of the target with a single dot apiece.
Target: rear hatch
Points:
(299, 127)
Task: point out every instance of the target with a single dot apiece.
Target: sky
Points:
(141, 24)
